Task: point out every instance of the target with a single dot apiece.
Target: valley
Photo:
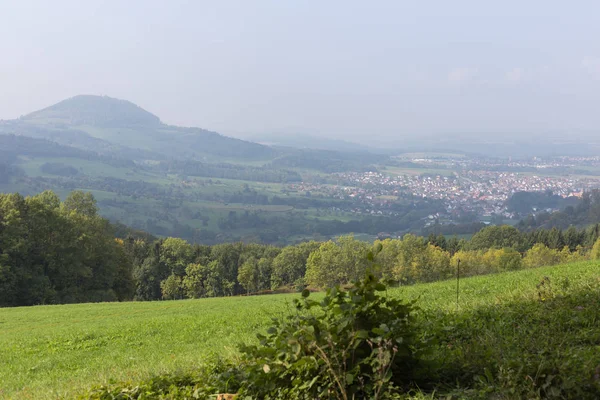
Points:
(208, 188)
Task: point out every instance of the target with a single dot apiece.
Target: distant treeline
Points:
(60, 169)
(524, 203)
(586, 211)
(8, 171)
(227, 171)
(28, 146)
(330, 161)
(172, 268)
(269, 227)
(63, 252)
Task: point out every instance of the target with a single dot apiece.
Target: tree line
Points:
(64, 252)
(59, 252)
(173, 269)
(586, 211)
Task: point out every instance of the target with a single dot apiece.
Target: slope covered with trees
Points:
(53, 252)
(63, 252)
(584, 212)
(127, 125)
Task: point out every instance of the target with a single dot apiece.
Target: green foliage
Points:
(496, 237)
(290, 264)
(540, 255)
(172, 288)
(418, 261)
(59, 169)
(351, 344)
(248, 275)
(53, 252)
(57, 351)
(202, 383)
(542, 344)
(337, 263)
(585, 212)
(176, 254)
(595, 253)
(194, 281)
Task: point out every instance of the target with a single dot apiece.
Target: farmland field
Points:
(56, 351)
(416, 171)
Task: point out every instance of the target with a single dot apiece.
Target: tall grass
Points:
(55, 351)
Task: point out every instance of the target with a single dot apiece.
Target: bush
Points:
(540, 255)
(202, 383)
(352, 344)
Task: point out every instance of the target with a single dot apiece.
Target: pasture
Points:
(57, 351)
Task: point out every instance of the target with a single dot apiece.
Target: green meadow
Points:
(59, 351)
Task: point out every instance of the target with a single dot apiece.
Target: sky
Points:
(358, 70)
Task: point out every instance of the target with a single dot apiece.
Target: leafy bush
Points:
(352, 344)
(199, 384)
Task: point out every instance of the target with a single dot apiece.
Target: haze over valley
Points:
(209, 188)
(299, 200)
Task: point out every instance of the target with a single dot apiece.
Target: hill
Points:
(147, 174)
(490, 347)
(102, 111)
(114, 125)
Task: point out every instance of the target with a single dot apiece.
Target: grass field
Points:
(416, 171)
(55, 351)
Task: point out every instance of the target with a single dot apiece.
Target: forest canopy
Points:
(54, 252)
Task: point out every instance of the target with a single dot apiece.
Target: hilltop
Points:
(120, 127)
(101, 111)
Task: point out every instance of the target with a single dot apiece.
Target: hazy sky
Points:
(334, 68)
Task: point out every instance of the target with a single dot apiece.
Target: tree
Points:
(265, 270)
(248, 275)
(124, 285)
(411, 250)
(176, 254)
(540, 255)
(172, 288)
(387, 256)
(595, 253)
(290, 264)
(194, 282)
(53, 252)
(471, 262)
(496, 237)
(509, 259)
(337, 263)
(147, 281)
(82, 203)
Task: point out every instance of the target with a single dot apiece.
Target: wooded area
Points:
(63, 252)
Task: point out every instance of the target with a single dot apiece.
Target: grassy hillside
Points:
(51, 351)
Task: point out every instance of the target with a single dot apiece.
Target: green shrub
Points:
(352, 344)
(205, 383)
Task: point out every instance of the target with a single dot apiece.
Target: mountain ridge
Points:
(96, 111)
(128, 126)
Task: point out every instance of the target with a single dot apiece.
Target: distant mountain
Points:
(118, 129)
(100, 111)
(107, 125)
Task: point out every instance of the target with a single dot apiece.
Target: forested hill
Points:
(77, 120)
(585, 212)
(99, 111)
(119, 128)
